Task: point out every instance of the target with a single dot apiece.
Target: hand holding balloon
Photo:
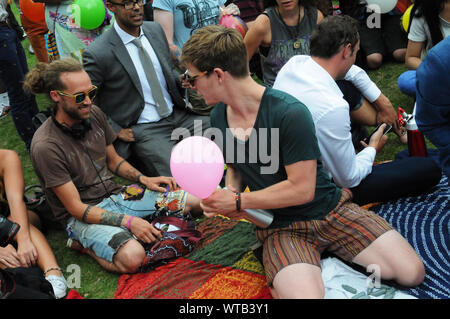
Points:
(223, 202)
(197, 165)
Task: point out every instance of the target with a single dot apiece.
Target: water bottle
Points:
(416, 140)
(260, 217)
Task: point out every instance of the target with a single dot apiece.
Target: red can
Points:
(416, 140)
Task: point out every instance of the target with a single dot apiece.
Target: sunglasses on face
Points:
(128, 5)
(192, 78)
(80, 97)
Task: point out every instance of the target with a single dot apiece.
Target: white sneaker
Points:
(4, 103)
(59, 285)
(4, 98)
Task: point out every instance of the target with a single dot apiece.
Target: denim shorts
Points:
(106, 240)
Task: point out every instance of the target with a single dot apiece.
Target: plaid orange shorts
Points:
(345, 231)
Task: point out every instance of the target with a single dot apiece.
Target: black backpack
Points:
(40, 118)
(34, 195)
(24, 283)
(36, 201)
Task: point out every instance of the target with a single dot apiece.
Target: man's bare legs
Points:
(395, 257)
(298, 281)
(391, 252)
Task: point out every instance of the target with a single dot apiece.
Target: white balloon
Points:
(381, 6)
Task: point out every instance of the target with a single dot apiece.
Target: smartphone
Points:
(386, 130)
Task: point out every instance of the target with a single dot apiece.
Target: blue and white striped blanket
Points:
(425, 222)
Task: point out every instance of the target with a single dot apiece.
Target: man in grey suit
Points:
(144, 108)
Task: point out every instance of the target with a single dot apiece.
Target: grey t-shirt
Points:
(287, 41)
(58, 158)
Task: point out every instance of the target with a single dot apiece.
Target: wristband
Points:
(138, 177)
(129, 222)
(238, 201)
(116, 171)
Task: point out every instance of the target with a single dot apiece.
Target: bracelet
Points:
(138, 177)
(238, 201)
(53, 268)
(129, 222)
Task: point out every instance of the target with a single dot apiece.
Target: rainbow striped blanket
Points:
(224, 265)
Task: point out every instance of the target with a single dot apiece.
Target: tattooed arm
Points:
(69, 196)
(124, 169)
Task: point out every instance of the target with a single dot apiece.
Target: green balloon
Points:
(88, 14)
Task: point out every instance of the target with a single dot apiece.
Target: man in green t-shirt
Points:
(311, 214)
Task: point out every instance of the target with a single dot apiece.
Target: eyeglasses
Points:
(80, 97)
(192, 78)
(128, 5)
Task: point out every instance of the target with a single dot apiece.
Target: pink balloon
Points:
(197, 165)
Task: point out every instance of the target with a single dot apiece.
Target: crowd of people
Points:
(119, 91)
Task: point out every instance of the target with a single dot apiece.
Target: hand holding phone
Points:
(378, 144)
(387, 129)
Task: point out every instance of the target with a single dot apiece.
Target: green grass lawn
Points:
(96, 282)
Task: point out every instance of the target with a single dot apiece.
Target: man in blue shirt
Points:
(433, 100)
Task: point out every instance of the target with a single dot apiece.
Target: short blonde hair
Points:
(217, 47)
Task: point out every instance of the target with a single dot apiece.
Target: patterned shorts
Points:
(345, 231)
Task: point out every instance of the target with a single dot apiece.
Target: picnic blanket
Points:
(425, 222)
(224, 265)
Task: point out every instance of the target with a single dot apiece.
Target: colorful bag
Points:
(173, 243)
(50, 45)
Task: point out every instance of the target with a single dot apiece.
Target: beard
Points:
(72, 112)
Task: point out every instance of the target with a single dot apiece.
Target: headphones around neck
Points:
(77, 131)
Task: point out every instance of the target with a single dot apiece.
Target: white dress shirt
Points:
(149, 114)
(306, 80)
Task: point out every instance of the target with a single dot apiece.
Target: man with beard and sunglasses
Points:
(74, 158)
(139, 89)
